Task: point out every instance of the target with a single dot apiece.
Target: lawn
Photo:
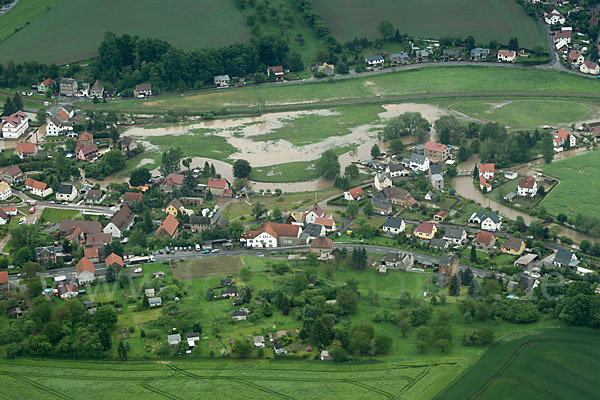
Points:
(558, 363)
(22, 15)
(207, 267)
(417, 81)
(484, 20)
(197, 144)
(527, 113)
(56, 215)
(579, 187)
(72, 29)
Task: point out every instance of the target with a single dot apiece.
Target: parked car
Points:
(205, 251)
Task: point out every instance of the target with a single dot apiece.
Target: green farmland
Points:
(579, 188)
(72, 29)
(484, 20)
(553, 364)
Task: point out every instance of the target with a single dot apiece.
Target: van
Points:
(198, 248)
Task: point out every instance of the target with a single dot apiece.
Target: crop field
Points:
(72, 29)
(455, 81)
(207, 267)
(484, 20)
(553, 364)
(578, 181)
(527, 113)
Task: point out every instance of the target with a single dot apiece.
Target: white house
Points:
(562, 35)
(487, 170)
(507, 56)
(382, 181)
(313, 214)
(554, 17)
(397, 170)
(354, 194)
(66, 192)
(589, 67)
(576, 57)
(563, 136)
(85, 271)
(394, 226)
(375, 61)
(120, 222)
(5, 191)
(490, 222)
(221, 80)
(15, 125)
(527, 187)
(56, 127)
(38, 188)
(419, 162)
(271, 235)
(456, 235)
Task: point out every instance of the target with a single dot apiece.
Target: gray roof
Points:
(436, 168)
(510, 196)
(221, 78)
(376, 57)
(564, 257)
(493, 216)
(440, 243)
(417, 158)
(155, 301)
(454, 232)
(396, 167)
(173, 338)
(393, 222)
(380, 202)
(238, 313)
(199, 220)
(450, 52)
(437, 177)
(447, 259)
(480, 51)
(399, 55)
(313, 230)
(65, 188)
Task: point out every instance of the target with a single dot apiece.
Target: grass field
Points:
(56, 215)
(579, 188)
(207, 267)
(485, 20)
(527, 113)
(553, 364)
(418, 81)
(72, 29)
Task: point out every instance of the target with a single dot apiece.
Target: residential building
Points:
(328, 223)
(553, 17)
(56, 126)
(5, 191)
(173, 339)
(589, 67)
(382, 180)
(478, 54)
(94, 254)
(440, 215)
(276, 71)
(488, 221)
(565, 258)
(120, 222)
(273, 235)
(484, 241)
(157, 302)
(143, 90)
(401, 260)
(88, 152)
(46, 255)
(221, 80)
(425, 230)
(397, 170)
(375, 61)
(69, 226)
(576, 57)
(238, 315)
(66, 192)
(527, 187)
(85, 271)
(566, 137)
(13, 175)
(450, 55)
(484, 184)
(15, 125)
(526, 261)
(199, 223)
(437, 181)
(437, 151)
(4, 282)
(381, 205)
(514, 246)
(170, 182)
(168, 228)
(507, 56)
(354, 194)
(44, 85)
(95, 196)
(175, 207)
(419, 162)
(98, 239)
(399, 58)
(562, 35)
(67, 291)
(312, 231)
(487, 170)
(68, 87)
(448, 265)
(132, 197)
(218, 187)
(314, 213)
(422, 55)
(324, 68)
(97, 90)
(37, 188)
(115, 261)
(399, 197)
(455, 235)
(322, 245)
(26, 150)
(394, 226)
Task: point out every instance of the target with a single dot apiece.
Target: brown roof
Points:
(527, 183)
(91, 252)
(3, 277)
(176, 204)
(174, 179)
(113, 259)
(13, 171)
(84, 265)
(317, 210)
(122, 218)
(217, 183)
(169, 225)
(276, 68)
(95, 239)
(86, 136)
(513, 244)
(89, 148)
(15, 119)
(326, 222)
(507, 53)
(36, 184)
(143, 86)
(425, 227)
(275, 230)
(130, 197)
(322, 242)
(484, 237)
(94, 194)
(438, 147)
(26, 148)
(356, 192)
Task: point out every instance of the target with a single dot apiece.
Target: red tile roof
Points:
(130, 197)
(484, 237)
(326, 222)
(91, 252)
(507, 53)
(275, 230)
(487, 167)
(169, 225)
(13, 171)
(26, 148)
(174, 179)
(3, 277)
(276, 69)
(317, 210)
(15, 119)
(527, 183)
(483, 182)
(590, 65)
(563, 134)
(47, 82)
(574, 55)
(217, 183)
(425, 227)
(36, 184)
(84, 265)
(322, 242)
(113, 259)
(437, 147)
(356, 192)
(89, 148)
(562, 35)
(86, 136)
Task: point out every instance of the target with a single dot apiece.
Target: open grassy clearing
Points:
(24, 13)
(207, 267)
(527, 113)
(72, 29)
(485, 20)
(196, 145)
(56, 215)
(426, 80)
(579, 187)
(558, 363)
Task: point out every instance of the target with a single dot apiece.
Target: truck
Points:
(140, 260)
(31, 209)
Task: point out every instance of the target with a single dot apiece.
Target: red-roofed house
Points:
(3, 280)
(85, 271)
(313, 214)
(487, 170)
(484, 185)
(425, 230)
(527, 187)
(115, 261)
(328, 223)
(44, 85)
(171, 182)
(217, 187)
(131, 197)
(276, 71)
(576, 57)
(484, 241)
(15, 125)
(168, 227)
(562, 35)
(85, 137)
(507, 56)
(563, 137)
(88, 152)
(93, 254)
(38, 188)
(26, 150)
(589, 67)
(354, 194)
(437, 151)
(13, 175)
(273, 235)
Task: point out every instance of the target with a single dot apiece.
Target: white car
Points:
(137, 270)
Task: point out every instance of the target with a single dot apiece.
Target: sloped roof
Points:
(356, 192)
(123, 217)
(95, 239)
(484, 237)
(513, 244)
(274, 230)
(91, 252)
(86, 136)
(89, 148)
(487, 167)
(65, 188)
(176, 204)
(13, 171)
(113, 259)
(3, 277)
(326, 222)
(169, 225)
(130, 197)
(425, 227)
(527, 183)
(454, 232)
(36, 184)
(322, 242)
(84, 265)
(217, 183)
(26, 148)
(393, 222)
(432, 146)
(87, 227)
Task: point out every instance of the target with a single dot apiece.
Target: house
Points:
(199, 223)
(98, 239)
(68, 87)
(3, 280)
(221, 80)
(120, 222)
(56, 126)
(553, 17)
(484, 241)
(85, 271)
(450, 55)
(401, 260)
(437, 151)
(67, 291)
(399, 58)
(456, 235)
(276, 72)
(279, 349)
(259, 341)
(314, 213)
(312, 231)
(173, 339)
(562, 35)
(67, 226)
(399, 197)
(354, 194)
(448, 265)
(127, 144)
(175, 207)
(143, 90)
(422, 55)
(328, 223)
(397, 170)
(155, 302)
(272, 235)
(169, 227)
(97, 90)
(13, 175)
(381, 205)
(14, 125)
(4, 216)
(526, 261)
(324, 68)
(94, 254)
(95, 196)
(440, 215)
(115, 261)
(513, 246)
(437, 181)
(132, 197)
(527, 187)
(382, 180)
(419, 162)
(44, 85)
(565, 258)
(171, 182)
(484, 185)
(26, 150)
(218, 187)
(507, 56)
(576, 58)
(375, 61)
(487, 170)
(394, 226)
(14, 312)
(510, 175)
(66, 192)
(226, 282)
(322, 245)
(440, 244)
(489, 222)
(425, 230)
(229, 292)
(37, 188)
(5, 191)
(88, 152)
(566, 137)
(478, 54)
(589, 67)
(238, 315)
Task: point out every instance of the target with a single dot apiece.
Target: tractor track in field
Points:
(146, 385)
(563, 369)
(414, 382)
(532, 387)
(37, 385)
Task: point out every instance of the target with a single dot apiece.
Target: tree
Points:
(122, 350)
(40, 116)
(361, 336)
(386, 29)
(442, 345)
(351, 171)
(139, 177)
(547, 149)
(295, 62)
(396, 146)
(258, 210)
(18, 101)
(242, 348)
(276, 214)
(473, 254)
(347, 301)
(235, 230)
(145, 302)
(368, 209)
(382, 344)
(404, 325)
(328, 165)
(562, 218)
(9, 107)
(352, 209)
(245, 274)
(187, 162)
(375, 151)
(513, 44)
(454, 287)
(241, 169)
(170, 161)
(408, 123)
